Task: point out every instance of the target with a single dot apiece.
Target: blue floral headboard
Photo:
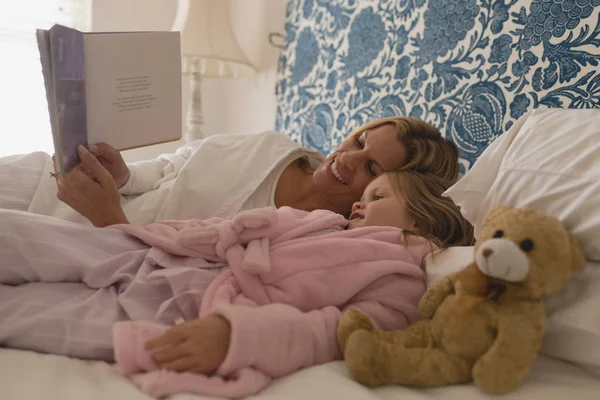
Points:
(469, 67)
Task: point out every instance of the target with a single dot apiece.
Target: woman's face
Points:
(342, 178)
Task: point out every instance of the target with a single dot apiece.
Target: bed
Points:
(472, 68)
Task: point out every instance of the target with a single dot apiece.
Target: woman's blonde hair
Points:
(427, 150)
(437, 218)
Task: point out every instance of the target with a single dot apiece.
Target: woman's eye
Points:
(371, 170)
(359, 143)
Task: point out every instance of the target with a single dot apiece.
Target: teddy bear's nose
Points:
(487, 252)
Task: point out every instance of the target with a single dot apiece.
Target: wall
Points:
(244, 105)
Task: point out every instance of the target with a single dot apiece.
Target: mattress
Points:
(30, 376)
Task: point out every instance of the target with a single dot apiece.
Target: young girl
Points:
(269, 285)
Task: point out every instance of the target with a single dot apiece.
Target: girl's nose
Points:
(357, 206)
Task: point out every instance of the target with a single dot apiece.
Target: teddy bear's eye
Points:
(527, 245)
(499, 233)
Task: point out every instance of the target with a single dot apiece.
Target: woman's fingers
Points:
(89, 161)
(80, 179)
(71, 184)
(112, 160)
(88, 172)
(105, 151)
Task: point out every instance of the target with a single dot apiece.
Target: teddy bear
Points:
(484, 323)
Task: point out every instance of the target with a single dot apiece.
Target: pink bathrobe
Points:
(291, 274)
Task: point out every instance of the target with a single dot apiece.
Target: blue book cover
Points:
(68, 69)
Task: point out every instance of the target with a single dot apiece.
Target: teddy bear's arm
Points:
(508, 361)
(352, 320)
(436, 295)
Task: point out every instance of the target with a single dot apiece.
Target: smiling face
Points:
(380, 206)
(342, 178)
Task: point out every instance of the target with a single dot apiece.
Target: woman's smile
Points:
(335, 173)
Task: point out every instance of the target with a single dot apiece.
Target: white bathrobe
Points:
(215, 177)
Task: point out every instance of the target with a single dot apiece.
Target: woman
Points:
(225, 174)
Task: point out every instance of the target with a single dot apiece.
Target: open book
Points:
(121, 88)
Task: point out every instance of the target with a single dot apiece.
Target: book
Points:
(118, 88)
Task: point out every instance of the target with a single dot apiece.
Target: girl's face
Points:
(343, 177)
(380, 206)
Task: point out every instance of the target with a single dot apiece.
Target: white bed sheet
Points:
(25, 375)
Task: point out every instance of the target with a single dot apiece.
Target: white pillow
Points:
(444, 262)
(468, 193)
(573, 327)
(549, 161)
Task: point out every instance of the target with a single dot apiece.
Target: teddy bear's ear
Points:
(577, 257)
(493, 214)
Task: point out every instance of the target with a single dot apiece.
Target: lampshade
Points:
(207, 37)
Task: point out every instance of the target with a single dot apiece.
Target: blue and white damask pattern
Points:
(469, 67)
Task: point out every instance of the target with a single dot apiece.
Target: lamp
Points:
(209, 49)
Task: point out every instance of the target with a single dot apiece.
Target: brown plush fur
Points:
(476, 328)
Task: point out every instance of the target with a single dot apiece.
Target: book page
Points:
(133, 88)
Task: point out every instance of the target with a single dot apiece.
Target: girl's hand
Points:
(113, 161)
(91, 191)
(198, 346)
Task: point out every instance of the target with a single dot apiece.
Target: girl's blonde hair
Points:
(437, 218)
(427, 150)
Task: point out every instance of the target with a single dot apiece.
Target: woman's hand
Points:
(198, 346)
(113, 161)
(91, 191)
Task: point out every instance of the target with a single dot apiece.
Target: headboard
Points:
(469, 67)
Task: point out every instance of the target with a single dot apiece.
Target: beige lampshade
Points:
(207, 38)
